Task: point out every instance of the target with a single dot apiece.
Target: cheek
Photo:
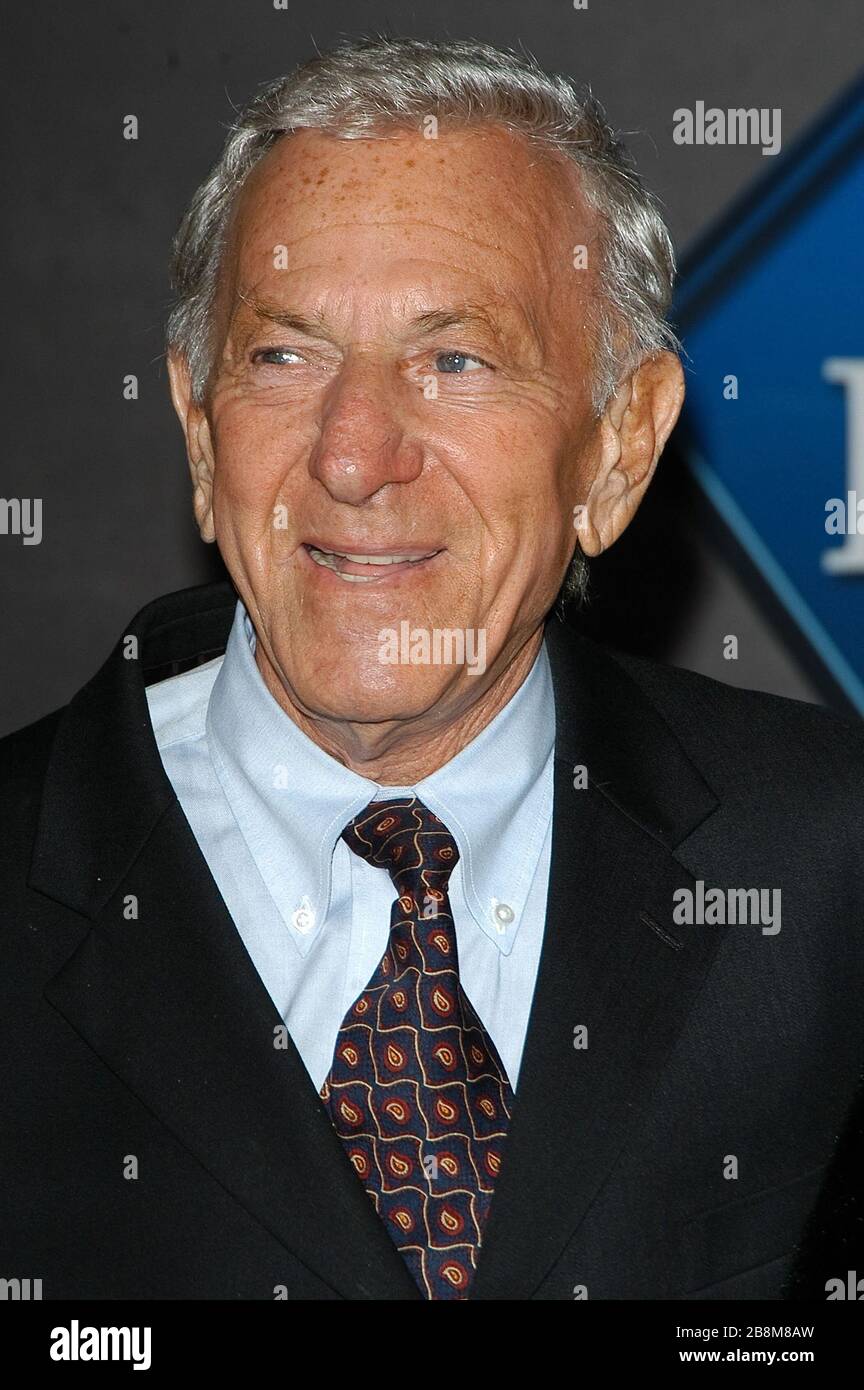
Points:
(254, 454)
(524, 488)
(540, 528)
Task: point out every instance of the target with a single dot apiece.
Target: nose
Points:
(362, 444)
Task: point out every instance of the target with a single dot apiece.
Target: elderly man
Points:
(367, 932)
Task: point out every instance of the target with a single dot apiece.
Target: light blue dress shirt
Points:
(267, 807)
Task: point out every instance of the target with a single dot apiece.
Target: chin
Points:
(355, 697)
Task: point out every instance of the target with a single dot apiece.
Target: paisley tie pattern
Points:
(417, 1091)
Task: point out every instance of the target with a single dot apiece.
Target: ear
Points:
(635, 426)
(199, 446)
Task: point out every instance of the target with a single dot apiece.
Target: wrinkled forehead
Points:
(486, 199)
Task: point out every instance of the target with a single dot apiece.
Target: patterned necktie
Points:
(417, 1091)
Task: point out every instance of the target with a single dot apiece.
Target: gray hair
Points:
(365, 88)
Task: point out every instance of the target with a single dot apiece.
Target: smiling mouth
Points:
(357, 567)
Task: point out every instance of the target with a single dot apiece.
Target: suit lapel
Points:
(171, 1001)
(613, 963)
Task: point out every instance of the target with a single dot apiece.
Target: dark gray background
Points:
(92, 216)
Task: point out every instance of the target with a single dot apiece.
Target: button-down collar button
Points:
(502, 914)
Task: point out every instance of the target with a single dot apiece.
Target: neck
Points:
(398, 752)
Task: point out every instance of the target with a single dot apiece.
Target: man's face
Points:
(405, 373)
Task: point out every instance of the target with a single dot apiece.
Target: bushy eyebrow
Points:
(468, 314)
(286, 318)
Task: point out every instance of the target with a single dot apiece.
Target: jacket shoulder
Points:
(24, 753)
(24, 757)
(730, 727)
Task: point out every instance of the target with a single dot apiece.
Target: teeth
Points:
(383, 559)
(329, 559)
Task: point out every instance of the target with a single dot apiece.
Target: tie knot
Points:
(407, 839)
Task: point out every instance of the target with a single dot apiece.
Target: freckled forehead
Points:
(485, 186)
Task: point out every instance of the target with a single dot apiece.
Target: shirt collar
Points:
(493, 795)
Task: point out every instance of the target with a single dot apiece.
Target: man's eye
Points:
(268, 356)
(456, 363)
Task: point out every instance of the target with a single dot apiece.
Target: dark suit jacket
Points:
(152, 1037)
(833, 1244)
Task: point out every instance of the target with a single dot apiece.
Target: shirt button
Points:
(303, 919)
(503, 915)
